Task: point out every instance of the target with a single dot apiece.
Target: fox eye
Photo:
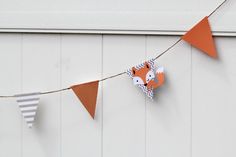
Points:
(137, 80)
(150, 75)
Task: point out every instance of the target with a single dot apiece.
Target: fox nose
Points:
(145, 84)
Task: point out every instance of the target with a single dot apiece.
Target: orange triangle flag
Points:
(200, 36)
(87, 94)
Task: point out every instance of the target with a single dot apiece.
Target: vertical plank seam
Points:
(21, 89)
(145, 113)
(102, 96)
(60, 98)
(191, 88)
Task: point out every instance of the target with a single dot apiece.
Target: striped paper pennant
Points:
(28, 104)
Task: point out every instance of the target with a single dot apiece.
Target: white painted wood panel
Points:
(192, 114)
(81, 61)
(41, 71)
(123, 104)
(10, 82)
(141, 15)
(169, 114)
(213, 100)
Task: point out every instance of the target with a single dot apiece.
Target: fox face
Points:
(143, 75)
(147, 76)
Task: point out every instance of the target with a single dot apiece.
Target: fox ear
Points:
(133, 70)
(147, 65)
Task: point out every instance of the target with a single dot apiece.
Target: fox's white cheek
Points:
(149, 76)
(137, 80)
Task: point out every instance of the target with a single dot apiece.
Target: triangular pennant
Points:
(28, 104)
(87, 94)
(147, 77)
(200, 36)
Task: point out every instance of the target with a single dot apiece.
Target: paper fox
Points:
(145, 76)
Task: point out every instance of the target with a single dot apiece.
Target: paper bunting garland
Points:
(87, 94)
(28, 104)
(200, 36)
(147, 77)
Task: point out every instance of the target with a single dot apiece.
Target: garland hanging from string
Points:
(146, 75)
(122, 73)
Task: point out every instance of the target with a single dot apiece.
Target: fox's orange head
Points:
(143, 75)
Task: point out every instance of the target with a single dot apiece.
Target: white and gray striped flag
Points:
(28, 104)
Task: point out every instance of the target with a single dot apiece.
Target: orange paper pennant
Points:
(87, 93)
(200, 36)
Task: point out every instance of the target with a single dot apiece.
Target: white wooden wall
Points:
(112, 16)
(192, 115)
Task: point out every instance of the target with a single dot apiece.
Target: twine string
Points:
(122, 73)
